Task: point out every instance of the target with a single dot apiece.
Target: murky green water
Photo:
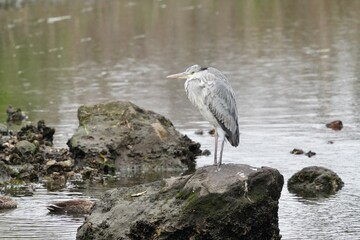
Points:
(294, 66)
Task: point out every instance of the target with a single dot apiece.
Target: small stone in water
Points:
(310, 154)
(212, 131)
(206, 152)
(335, 125)
(297, 151)
(199, 132)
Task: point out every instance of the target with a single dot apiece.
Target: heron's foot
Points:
(246, 190)
(218, 168)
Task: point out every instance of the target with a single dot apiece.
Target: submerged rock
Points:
(297, 151)
(315, 182)
(122, 135)
(40, 133)
(310, 154)
(236, 202)
(7, 203)
(15, 115)
(73, 206)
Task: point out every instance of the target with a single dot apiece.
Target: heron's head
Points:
(189, 72)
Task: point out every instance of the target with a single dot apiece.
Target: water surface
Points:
(294, 66)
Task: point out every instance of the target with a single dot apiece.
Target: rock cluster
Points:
(114, 136)
(29, 155)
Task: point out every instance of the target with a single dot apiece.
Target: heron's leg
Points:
(221, 149)
(216, 146)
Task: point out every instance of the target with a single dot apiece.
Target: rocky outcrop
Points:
(120, 135)
(235, 202)
(114, 136)
(315, 182)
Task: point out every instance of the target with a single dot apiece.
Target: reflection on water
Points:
(293, 64)
(31, 219)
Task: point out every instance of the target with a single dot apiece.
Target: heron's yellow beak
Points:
(179, 75)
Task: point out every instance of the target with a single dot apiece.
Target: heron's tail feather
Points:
(232, 134)
(233, 138)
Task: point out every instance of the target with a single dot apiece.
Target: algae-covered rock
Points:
(25, 147)
(235, 202)
(315, 181)
(122, 135)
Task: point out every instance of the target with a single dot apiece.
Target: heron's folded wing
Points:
(221, 102)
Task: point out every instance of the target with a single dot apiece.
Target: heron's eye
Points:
(192, 72)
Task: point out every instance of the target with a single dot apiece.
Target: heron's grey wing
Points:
(221, 102)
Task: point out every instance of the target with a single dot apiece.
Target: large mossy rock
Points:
(120, 135)
(235, 202)
(314, 181)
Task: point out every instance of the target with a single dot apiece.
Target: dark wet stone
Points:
(310, 154)
(237, 202)
(335, 125)
(315, 182)
(212, 131)
(15, 115)
(59, 166)
(122, 135)
(206, 152)
(297, 151)
(46, 132)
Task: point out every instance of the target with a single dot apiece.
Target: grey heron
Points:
(209, 90)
